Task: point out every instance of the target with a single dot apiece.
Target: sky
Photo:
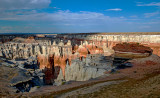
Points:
(79, 16)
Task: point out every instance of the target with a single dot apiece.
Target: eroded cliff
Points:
(75, 56)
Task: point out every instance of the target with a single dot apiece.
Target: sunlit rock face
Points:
(132, 50)
(152, 41)
(83, 51)
(63, 54)
(77, 56)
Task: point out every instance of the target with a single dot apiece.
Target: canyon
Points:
(57, 59)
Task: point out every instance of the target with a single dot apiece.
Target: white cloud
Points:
(151, 14)
(6, 29)
(64, 21)
(145, 27)
(122, 17)
(59, 16)
(153, 22)
(150, 4)
(115, 9)
(23, 4)
(55, 7)
(27, 12)
(134, 16)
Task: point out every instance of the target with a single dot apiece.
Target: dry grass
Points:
(143, 82)
(148, 87)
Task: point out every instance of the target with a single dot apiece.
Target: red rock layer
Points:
(93, 49)
(46, 63)
(83, 52)
(59, 62)
(132, 47)
(52, 61)
(110, 44)
(30, 40)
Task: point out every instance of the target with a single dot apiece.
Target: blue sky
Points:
(75, 16)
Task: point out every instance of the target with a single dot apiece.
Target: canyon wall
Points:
(58, 57)
(152, 41)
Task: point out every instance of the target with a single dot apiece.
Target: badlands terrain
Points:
(112, 65)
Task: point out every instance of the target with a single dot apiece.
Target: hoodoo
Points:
(80, 57)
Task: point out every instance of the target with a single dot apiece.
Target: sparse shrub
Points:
(134, 71)
(138, 43)
(63, 82)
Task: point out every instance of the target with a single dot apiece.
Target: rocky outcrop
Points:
(81, 70)
(78, 71)
(21, 74)
(87, 54)
(132, 50)
(132, 47)
(152, 41)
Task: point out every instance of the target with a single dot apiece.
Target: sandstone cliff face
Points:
(58, 58)
(132, 50)
(152, 41)
(63, 53)
(91, 67)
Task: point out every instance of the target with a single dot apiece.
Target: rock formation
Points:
(77, 57)
(132, 50)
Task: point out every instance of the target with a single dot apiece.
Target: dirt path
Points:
(89, 89)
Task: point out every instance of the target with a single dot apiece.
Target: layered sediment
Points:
(78, 57)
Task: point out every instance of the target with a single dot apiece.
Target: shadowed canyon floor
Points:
(80, 65)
